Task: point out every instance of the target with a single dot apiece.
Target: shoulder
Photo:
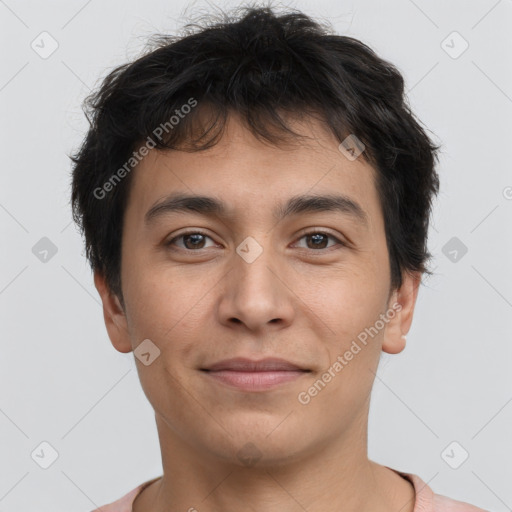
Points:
(445, 504)
(124, 504)
(427, 501)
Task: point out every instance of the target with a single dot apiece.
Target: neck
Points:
(332, 477)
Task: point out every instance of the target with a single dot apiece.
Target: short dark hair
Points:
(262, 66)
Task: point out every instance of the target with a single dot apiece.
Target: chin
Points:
(261, 448)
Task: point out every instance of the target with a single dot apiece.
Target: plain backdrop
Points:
(63, 383)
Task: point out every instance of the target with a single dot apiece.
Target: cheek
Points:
(157, 299)
(172, 311)
(353, 311)
(347, 300)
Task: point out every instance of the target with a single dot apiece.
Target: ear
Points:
(114, 315)
(402, 302)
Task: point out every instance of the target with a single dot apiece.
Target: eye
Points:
(193, 240)
(318, 240)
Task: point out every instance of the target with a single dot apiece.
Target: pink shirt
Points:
(426, 500)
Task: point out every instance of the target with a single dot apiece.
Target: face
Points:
(267, 275)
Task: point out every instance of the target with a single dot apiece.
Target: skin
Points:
(295, 301)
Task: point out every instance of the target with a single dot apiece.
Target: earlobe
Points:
(114, 316)
(402, 302)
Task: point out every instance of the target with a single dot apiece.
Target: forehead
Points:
(249, 175)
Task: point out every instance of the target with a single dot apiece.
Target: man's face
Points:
(251, 283)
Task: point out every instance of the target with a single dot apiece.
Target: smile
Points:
(254, 380)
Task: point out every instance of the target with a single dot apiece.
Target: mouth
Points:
(252, 375)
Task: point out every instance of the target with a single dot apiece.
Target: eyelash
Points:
(303, 235)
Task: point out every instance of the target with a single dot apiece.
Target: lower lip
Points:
(254, 381)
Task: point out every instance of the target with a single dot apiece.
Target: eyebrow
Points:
(211, 206)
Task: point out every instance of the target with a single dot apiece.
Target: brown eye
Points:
(317, 240)
(194, 240)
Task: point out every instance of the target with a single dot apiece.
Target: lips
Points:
(249, 375)
(241, 364)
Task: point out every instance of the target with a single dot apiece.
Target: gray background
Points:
(62, 381)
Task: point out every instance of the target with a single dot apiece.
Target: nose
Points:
(256, 294)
